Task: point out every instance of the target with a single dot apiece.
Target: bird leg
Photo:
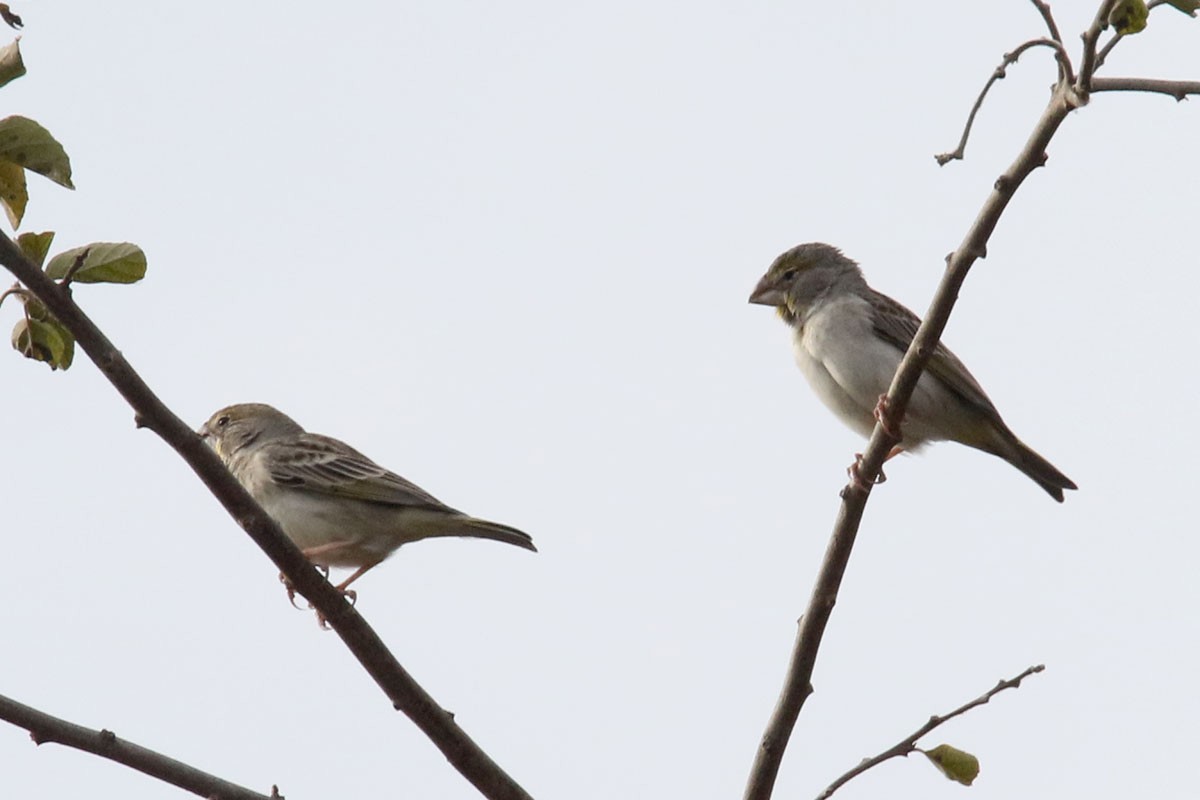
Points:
(883, 413)
(350, 594)
(317, 552)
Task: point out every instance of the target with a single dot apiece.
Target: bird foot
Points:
(291, 589)
(856, 478)
(883, 413)
(349, 594)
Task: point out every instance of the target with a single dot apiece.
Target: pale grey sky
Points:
(519, 240)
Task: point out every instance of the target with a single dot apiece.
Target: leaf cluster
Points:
(25, 146)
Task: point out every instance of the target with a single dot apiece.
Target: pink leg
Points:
(883, 413)
(349, 594)
(323, 549)
(358, 573)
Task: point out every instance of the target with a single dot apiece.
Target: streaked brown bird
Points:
(338, 506)
(848, 340)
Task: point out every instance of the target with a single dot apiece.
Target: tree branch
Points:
(1177, 89)
(909, 743)
(1048, 18)
(1088, 64)
(797, 684)
(149, 411)
(1064, 69)
(45, 729)
(1064, 73)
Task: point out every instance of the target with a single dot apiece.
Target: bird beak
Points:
(766, 294)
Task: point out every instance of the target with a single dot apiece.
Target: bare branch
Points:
(1177, 89)
(797, 684)
(149, 411)
(1102, 56)
(1044, 10)
(1087, 65)
(1052, 27)
(1064, 69)
(45, 729)
(909, 743)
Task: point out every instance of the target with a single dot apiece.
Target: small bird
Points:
(848, 341)
(338, 506)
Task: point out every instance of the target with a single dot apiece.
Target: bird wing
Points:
(898, 325)
(323, 464)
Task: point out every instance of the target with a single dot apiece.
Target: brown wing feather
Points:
(898, 325)
(322, 464)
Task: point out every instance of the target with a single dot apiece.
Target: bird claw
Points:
(291, 589)
(856, 478)
(883, 414)
(322, 622)
(350, 595)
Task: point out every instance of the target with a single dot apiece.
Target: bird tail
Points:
(453, 523)
(1043, 473)
(484, 529)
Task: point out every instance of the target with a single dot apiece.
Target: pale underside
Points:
(849, 366)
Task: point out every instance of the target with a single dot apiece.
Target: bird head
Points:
(803, 276)
(237, 426)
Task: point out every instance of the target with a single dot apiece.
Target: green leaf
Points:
(40, 340)
(1186, 6)
(35, 246)
(105, 262)
(29, 145)
(13, 194)
(68, 353)
(11, 65)
(35, 310)
(955, 764)
(1129, 16)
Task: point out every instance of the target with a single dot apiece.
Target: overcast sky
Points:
(505, 250)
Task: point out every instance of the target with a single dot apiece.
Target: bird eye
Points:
(788, 274)
(222, 421)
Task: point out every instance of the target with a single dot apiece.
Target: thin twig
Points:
(1102, 56)
(797, 684)
(909, 743)
(1064, 67)
(405, 694)
(1052, 27)
(46, 729)
(76, 265)
(1087, 65)
(1177, 89)
(1048, 17)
